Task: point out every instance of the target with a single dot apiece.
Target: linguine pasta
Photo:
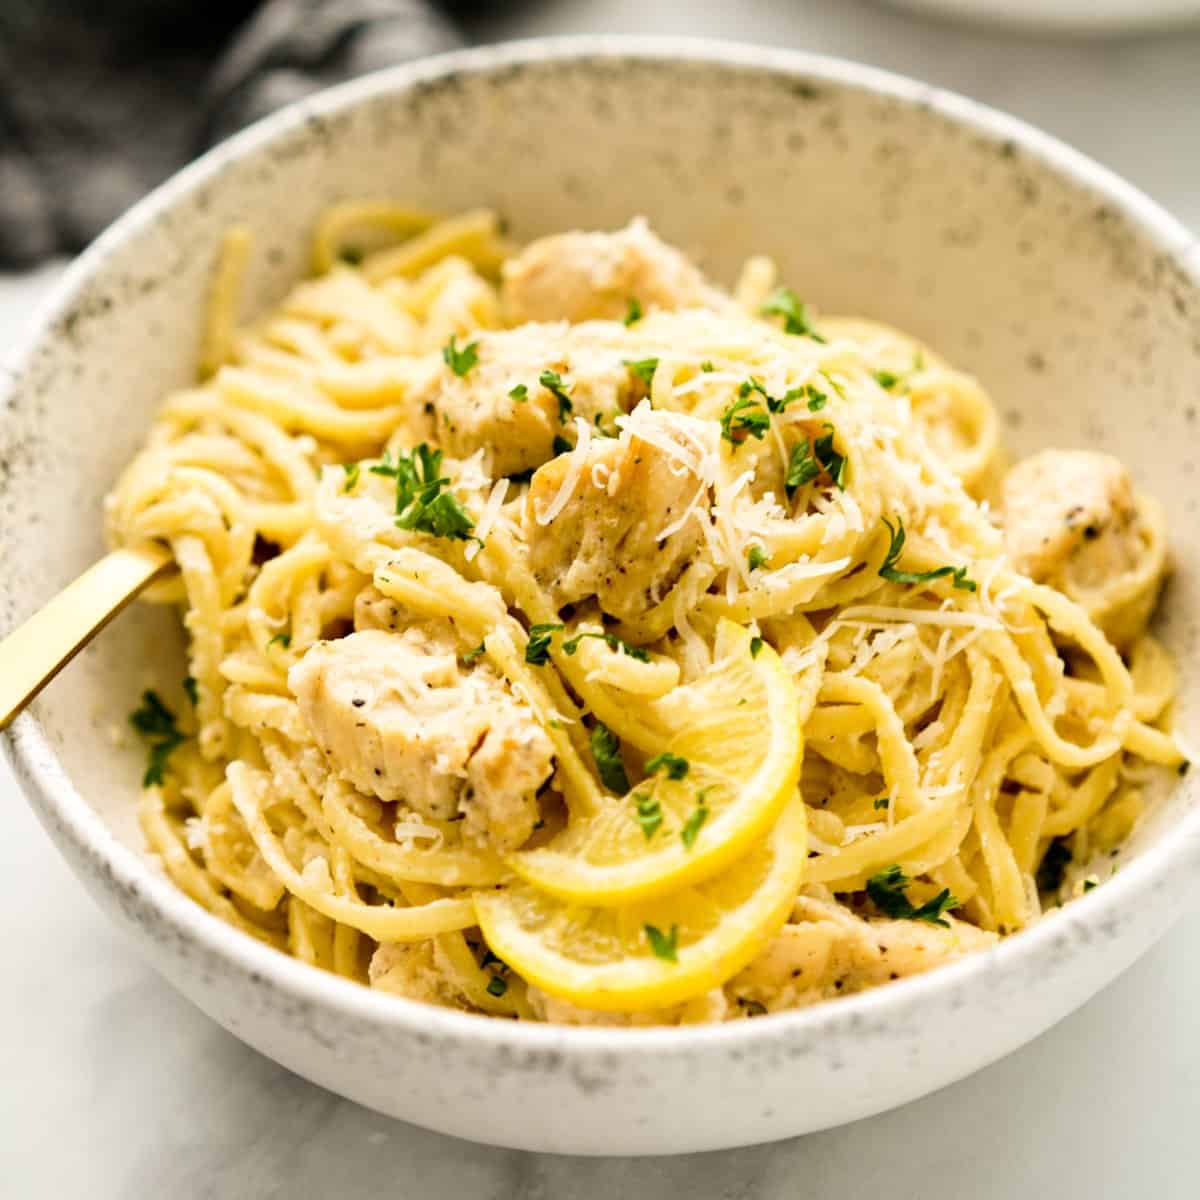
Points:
(573, 640)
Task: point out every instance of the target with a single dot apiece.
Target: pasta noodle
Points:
(509, 499)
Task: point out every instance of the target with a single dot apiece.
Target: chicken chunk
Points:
(417, 971)
(828, 951)
(620, 518)
(586, 276)
(1073, 520)
(399, 716)
(503, 403)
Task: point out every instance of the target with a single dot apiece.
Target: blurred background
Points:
(101, 99)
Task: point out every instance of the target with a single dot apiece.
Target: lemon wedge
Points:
(732, 749)
(657, 953)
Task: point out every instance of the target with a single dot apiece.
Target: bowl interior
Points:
(1019, 261)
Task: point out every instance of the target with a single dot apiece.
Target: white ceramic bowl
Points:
(1064, 16)
(1073, 297)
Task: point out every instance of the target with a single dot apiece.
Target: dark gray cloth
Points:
(102, 99)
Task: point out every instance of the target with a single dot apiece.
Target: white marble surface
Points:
(113, 1086)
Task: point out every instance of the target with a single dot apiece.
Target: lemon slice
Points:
(736, 734)
(659, 952)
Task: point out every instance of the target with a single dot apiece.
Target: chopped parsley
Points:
(1054, 866)
(460, 361)
(614, 643)
(351, 255)
(606, 750)
(756, 557)
(472, 655)
(675, 766)
(664, 945)
(560, 445)
(352, 471)
(281, 639)
(756, 645)
(537, 650)
(886, 379)
(888, 891)
(634, 312)
(649, 814)
(518, 392)
(553, 383)
(642, 368)
(497, 986)
(422, 504)
(155, 722)
(783, 302)
(189, 688)
(881, 803)
(694, 823)
(744, 418)
(888, 571)
(816, 398)
(809, 458)
(1088, 884)
(707, 366)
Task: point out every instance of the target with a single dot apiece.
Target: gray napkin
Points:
(102, 99)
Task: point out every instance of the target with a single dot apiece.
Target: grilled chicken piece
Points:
(1073, 520)
(829, 951)
(398, 716)
(587, 276)
(619, 518)
(502, 404)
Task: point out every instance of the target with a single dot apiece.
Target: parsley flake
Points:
(352, 472)
(888, 571)
(422, 504)
(606, 750)
(886, 379)
(707, 366)
(888, 891)
(694, 823)
(675, 766)
(537, 650)
(664, 945)
(756, 645)
(642, 368)
(744, 418)
(460, 361)
(757, 557)
(155, 722)
(281, 639)
(553, 383)
(633, 313)
(518, 392)
(471, 655)
(351, 255)
(881, 803)
(497, 986)
(648, 814)
(783, 302)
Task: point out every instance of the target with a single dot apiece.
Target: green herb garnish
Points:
(352, 470)
(553, 383)
(881, 802)
(571, 644)
(783, 302)
(889, 572)
(649, 814)
(537, 650)
(694, 823)
(634, 312)
(518, 392)
(888, 891)
(756, 645)
(460, 361)
(707, 366)
(472, 654)
(351, 255)
(281, 639)
(606, 750)
(422, 504)
(886, 379)
(155, 722)
(675, 766)
(497, 986)
(756, 557)
(664, 945)
(744, 418)
(642, 368)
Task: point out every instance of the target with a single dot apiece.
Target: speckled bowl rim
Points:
(62, 807)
